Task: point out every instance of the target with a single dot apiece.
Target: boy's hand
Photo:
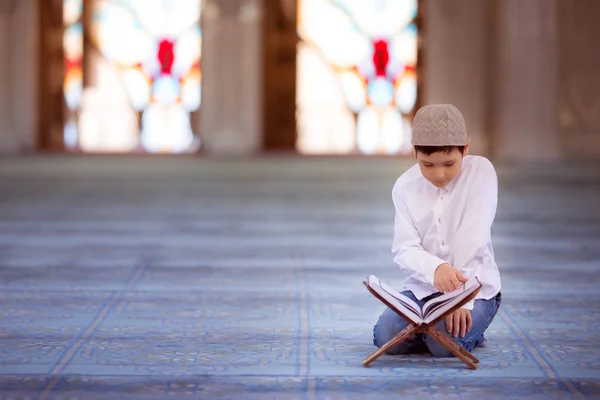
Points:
(459, 322)
(447, 278)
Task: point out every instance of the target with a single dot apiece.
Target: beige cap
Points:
(439, 125)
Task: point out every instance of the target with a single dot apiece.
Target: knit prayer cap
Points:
(439, 125)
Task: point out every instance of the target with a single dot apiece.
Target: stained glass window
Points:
(357, 83)
(147, 76)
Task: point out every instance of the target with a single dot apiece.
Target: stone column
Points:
(229, 119)
(525, 92)
(24, 64)
(456, 36)
(7, 139)
(18, 75)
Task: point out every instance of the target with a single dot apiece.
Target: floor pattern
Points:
(134, 278)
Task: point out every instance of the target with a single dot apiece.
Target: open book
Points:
(431, 309)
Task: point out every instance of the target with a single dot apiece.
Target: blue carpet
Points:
(226, 279)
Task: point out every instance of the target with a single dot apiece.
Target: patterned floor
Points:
(132, 278)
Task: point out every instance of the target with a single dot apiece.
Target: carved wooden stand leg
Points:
(399, 338)
(453, 347)
(435, 333)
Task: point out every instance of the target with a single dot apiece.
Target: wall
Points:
(579, 78)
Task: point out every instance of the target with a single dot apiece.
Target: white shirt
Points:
(452, 225)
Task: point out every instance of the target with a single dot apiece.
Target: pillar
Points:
(7, 139)
(454, 63)
(18, 69)
(24, 72)
(525, 81)
(229, 120)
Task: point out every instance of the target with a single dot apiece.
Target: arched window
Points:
(142, 75)
(356, 76)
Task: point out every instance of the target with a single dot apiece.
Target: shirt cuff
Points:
(430, 272)
(469, 305)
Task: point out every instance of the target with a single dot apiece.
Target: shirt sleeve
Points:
(410, 254)
(475, 229)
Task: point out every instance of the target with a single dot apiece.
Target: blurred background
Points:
(296, 76)
(192, 191)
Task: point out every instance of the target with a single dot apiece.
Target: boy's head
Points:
(440, 141)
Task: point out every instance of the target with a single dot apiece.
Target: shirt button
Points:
(439, 220)
(442, 197)
(443, 243)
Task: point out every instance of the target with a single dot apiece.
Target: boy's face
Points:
(440, 168)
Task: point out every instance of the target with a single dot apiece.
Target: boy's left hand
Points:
(459, 322)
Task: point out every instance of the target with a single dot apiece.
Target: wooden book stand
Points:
(430, 328)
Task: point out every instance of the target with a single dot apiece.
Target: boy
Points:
(445, 207)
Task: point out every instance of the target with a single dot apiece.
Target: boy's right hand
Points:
(447, 278)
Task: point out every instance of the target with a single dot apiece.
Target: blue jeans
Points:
(390, 324)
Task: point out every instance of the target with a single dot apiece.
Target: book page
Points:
(438, 306)
(402, 303)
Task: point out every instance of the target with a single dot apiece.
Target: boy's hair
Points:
(428, 150)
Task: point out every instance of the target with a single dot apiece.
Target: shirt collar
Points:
(448, 188)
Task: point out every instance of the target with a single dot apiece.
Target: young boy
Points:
(445, 207)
